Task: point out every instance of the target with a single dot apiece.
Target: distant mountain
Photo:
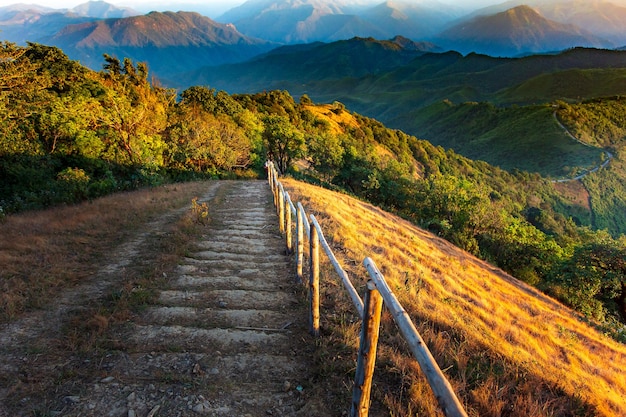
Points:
(293, 21)
(604, 18)
(415, 20)
(295, 66)
(103, 10)
(520, 30)
(299, 21)
(20, 23)
(169, 42)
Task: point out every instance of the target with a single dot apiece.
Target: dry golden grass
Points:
(507, 348)
(44, 252)
(336, 120)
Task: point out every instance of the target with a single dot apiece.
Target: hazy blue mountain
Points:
(604, 18)
(300, 21)
(415, 20)
(103, 10)
(520, 30)
(292, 21)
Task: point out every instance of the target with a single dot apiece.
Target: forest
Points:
(69, 134)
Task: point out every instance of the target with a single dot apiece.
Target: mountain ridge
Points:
(170, 42)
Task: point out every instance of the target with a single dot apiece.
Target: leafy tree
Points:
(593, 279)
(206, 142)
(325, 152)
(284, 142)
(135, 115)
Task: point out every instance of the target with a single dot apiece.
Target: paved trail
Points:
(228, 334)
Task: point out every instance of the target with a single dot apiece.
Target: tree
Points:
(325, 152)
(284, 142)
(594, 278)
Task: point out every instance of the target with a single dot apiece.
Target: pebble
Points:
(201, 408)
(107, 380)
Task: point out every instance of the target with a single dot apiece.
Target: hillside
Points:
(310, 64)
(384, 83)
(503, 345)
(79, 145)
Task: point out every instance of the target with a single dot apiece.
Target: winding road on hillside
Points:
(227, 335)
(584, 174)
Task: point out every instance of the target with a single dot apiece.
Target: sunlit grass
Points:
(507, 348)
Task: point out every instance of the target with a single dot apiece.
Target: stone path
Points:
(227, 337)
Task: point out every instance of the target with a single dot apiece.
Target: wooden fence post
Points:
(314, 283)
(370, 330)
(299, 244)
(288, 232)
(281, 210)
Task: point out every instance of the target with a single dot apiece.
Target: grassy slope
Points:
(508, 138)
(507, 348)
(45, 252)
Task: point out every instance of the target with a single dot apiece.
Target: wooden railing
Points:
(369, 308)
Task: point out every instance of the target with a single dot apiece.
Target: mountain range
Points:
(170, 42)
(510, 29)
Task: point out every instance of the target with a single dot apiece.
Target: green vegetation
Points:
(69, 134)
(507, 137)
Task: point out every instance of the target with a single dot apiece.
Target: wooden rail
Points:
(369, 309)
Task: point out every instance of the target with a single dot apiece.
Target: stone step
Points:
(209, 317)
(210, 255)
(223, 298)
(243, 246)
(245, 280)
(214, 369)
(233, 264)
(267, 240)
(176, 338)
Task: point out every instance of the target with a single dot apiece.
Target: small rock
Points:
(72, 399)
(131, 413)
(197, 369)
(107, 380)
(131, 397)
(286, 386)
(201, 408)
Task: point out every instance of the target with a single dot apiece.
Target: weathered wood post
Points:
(299, 242)
(366, 360)
(270, 175)
(288, 232)
(275, 189)
(440, 385)
(281, 209)
(314, 282)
